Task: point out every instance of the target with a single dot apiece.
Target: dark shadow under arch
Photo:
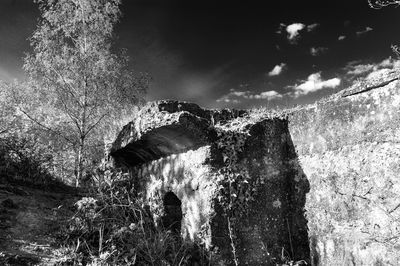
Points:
(172, 218)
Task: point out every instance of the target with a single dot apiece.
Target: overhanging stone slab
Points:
(162, 129)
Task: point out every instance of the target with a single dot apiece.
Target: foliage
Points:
(74, 68)
(23, 154)
(113, 227)
(18, 103)
(22, 159)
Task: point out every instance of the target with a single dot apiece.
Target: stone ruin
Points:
(175, 148)
(318, 183)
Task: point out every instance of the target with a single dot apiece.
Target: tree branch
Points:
(72, 89)
(90, 128)
(46, 127)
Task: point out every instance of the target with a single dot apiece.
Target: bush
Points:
(114, 227)
(22, 159)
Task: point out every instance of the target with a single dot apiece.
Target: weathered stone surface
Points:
(190, 178)
(161, 129)
(165, 127)
(349, 150)
(275, 221)
(182, 151)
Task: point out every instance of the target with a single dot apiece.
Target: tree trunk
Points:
(79, 173)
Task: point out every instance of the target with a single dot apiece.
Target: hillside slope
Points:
(30, 219)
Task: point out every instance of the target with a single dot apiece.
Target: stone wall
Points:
(349, 150)
(238, 180)
(189, 177)
(275, 225)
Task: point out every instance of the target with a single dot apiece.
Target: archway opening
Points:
(172, 218)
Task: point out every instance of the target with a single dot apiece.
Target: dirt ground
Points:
(30, 220)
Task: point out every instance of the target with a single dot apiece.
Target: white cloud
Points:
(227, 100)
(237, 96)
(314, 83)
(361, 69)
(382, 68)
(232, 96)
(316, 51)
(270, 95)
(389, 63)
(293, 30)
(367, 29)
(312, 27)
(356, 68)
(239, 93)
(277, 70)
(341, 37)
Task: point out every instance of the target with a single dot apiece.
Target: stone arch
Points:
(172, 218)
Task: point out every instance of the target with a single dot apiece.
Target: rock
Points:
(163, 128)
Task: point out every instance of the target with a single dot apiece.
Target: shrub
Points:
(22, 159)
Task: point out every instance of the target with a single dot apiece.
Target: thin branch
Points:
(46, 127)
(69, 85)
(72, 89)
(90, 128)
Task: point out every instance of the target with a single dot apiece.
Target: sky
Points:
(234, 54)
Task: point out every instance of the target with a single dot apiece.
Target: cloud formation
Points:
(316, 51)
(356, 68)
(277, 70)
(312, 27)
(293, 30)
(270, 95)
(367, 29)
(233, 96)
(315, 83)
(236, 97)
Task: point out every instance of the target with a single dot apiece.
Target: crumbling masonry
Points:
(244, 185)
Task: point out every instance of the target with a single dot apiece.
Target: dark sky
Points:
(222, 53)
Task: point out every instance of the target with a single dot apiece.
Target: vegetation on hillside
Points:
(113, 227)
